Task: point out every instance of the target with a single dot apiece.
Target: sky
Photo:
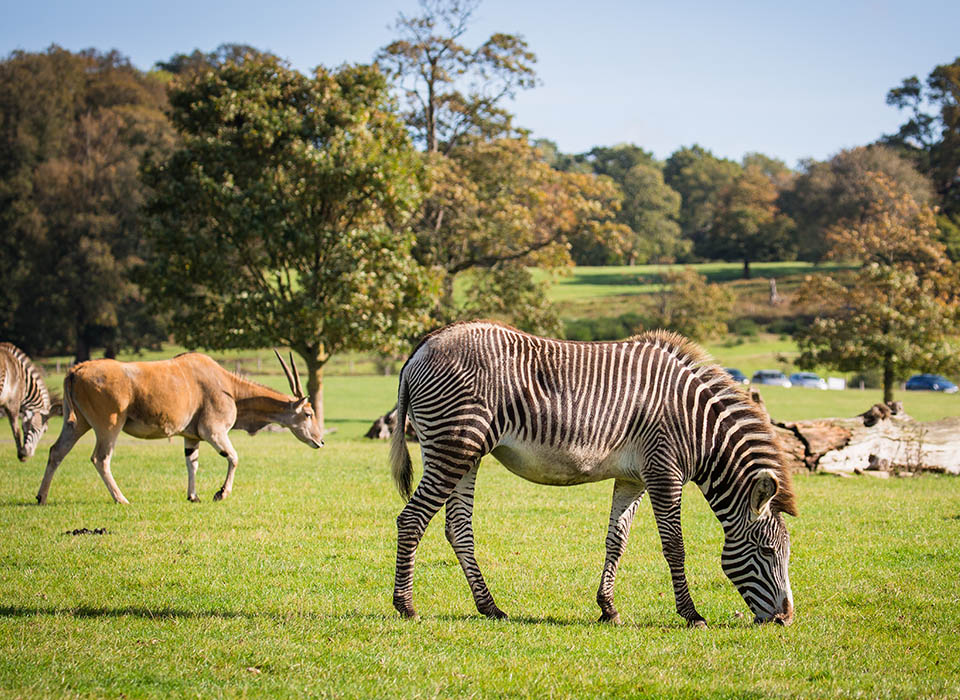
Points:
(792, 80)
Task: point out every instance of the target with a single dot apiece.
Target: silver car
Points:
(773, 377)
(808, 380)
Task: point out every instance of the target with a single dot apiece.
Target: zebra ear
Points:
(765, 486)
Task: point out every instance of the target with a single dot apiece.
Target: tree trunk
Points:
(888, 379)
(315, 362)
(746, 269)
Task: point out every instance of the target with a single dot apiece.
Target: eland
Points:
(190, 396)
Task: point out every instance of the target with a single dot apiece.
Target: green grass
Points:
(285, 588)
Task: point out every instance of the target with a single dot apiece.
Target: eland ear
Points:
(765, 486)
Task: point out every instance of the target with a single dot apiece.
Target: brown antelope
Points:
(190, 396)
(24, 398)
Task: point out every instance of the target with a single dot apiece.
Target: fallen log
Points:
(882, 439)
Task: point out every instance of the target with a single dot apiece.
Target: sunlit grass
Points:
(285, 588)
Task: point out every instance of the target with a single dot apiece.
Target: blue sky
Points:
(789, 79)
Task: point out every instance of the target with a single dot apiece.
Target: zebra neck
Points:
(727, 492)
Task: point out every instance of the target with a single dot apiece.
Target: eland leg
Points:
(191, 453)
(626, 500)
(459, 532)
(665, 498)
(440, 478)
(102, 454)
(73, 429)
(222, 444)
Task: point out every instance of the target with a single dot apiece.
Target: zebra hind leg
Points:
(459, 532)
(436, 485)
(626, 500)
(665, 500)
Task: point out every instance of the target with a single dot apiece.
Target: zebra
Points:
(24, 398)
(651, 412)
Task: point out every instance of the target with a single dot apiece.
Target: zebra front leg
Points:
(626, 500)
(665, 499)
(191, 453)
(459, 532)
(435, 487)
(14, 417)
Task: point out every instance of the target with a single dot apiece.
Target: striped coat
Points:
(651, 413)
(24, 399)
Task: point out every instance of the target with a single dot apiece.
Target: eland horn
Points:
(298, 389)
(286, 371)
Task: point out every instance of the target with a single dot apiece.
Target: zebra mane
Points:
(732, 394)
(32, 370)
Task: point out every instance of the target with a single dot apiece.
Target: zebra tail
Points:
(400, 464)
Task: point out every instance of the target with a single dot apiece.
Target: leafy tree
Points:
(649, 210)
(886, 318)
(183, 64)
(690, 305)
(492, 205)
(700, 178)
(451, 91)
(828, 192)
(931, 136)
(73, 128)
(747, 224)
(282, 218)
(901, 310)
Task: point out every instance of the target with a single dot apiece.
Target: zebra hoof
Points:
(610, 619)
(496, 614)
(700, 624)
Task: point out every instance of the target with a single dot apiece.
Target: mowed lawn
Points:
(285, 589)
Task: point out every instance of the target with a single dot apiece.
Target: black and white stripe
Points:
(651, 412)
(24, 398)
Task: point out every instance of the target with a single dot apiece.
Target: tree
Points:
(931, 136)
(74, 128)
(649, 210)
(699, 177)
(283, 216)
(886, 318)
(901, 310)
(747, 224)
(828, 192)
(451, 91)
(690, 305)
(493, 206)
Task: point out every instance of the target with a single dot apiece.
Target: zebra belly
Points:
(553, 466)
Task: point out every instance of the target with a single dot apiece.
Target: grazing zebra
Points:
(651, 412)
(24, 398)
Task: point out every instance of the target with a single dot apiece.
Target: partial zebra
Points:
(24, 398)
(651, 412)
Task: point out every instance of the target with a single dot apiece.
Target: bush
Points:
(745, 327)
(616, 328)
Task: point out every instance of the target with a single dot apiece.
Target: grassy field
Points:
(284, 589)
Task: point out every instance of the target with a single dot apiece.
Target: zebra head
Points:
(34, 426)
(756, 553)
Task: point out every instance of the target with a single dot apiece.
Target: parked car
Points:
(931, 382)
(808, 380)
(770, 376)
(737, 375)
